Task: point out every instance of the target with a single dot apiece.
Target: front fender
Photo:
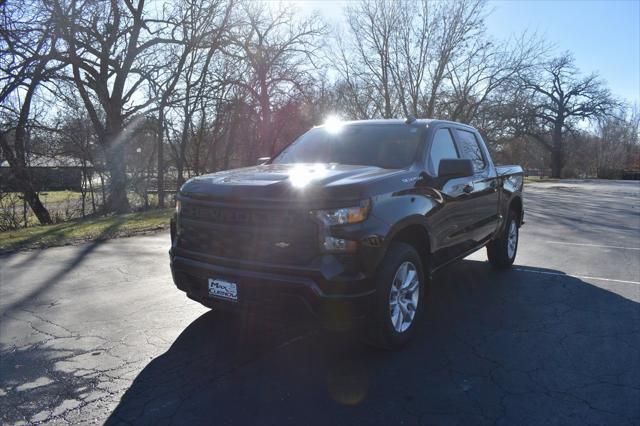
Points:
(399, 211)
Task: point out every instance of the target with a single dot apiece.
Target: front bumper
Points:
(336, 302)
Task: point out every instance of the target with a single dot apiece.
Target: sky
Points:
(604, 36)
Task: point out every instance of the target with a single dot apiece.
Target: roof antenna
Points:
(410, 119)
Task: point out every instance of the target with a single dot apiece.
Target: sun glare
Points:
(333, 124)
(301, 175)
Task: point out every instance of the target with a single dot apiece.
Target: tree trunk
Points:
(117, 200)
(160, 176)
(36, 205)
(180, 179)
(93, 198)
(264, 136)
(182, 152)
(230, 140)
(387, 95)
(19, 170)
(557, 154)
(103, 207)
(181, 160)
(114, 142)
(83, 186)
(556, 165)
(24, 213)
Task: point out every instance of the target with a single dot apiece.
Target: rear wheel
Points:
(502, 251)
(400, 291)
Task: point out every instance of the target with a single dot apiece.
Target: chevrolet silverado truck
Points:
(350, 221)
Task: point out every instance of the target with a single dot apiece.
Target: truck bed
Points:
(510, 169)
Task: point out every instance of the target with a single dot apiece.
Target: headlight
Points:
(343, 216)
(178, 206)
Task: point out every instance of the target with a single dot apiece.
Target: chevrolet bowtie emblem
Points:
(282, 244)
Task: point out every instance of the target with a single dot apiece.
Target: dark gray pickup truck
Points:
(351, 221)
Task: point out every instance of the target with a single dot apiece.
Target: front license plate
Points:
(223, 289)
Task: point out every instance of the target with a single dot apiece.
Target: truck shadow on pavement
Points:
(510, 347)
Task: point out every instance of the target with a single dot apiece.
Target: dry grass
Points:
(85, 230)
(533, 179)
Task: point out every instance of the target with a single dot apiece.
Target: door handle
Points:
(468, 188)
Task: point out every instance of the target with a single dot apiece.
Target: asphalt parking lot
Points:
(98, 333)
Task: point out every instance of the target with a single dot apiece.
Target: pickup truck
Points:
(350, 221)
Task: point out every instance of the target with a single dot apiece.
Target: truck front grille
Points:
(243, 216)
(272, 236)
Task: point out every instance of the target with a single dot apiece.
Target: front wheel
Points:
(400, 291)
(502, 251)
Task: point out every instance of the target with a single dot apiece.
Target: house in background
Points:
(48, 174)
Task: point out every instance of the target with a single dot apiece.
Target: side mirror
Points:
(263, 160)
(455, 168)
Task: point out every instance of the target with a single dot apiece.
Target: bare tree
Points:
(373, 25)
(413, 50)
(400, 53)
(560, 99)
(616, 142)
(276, 51)
(199, 32)
(463, 23)
(483, 78)
(199, 85)
(109, 46)
(26, 63)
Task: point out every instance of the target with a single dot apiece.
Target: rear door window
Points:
(470, 149)
(442, 148)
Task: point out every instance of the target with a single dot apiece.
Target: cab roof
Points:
(416, 122)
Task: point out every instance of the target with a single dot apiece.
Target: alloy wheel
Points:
(512, 239)
(404, 296)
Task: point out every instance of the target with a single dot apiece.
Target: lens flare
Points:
(301, 175)
(333, 124)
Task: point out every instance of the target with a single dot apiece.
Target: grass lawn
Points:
(85, 230)
(61, 196)
(529, 179)
(49, 197)
(67, 205)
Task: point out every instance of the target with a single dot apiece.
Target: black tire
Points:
(498, 252)
(381, 331)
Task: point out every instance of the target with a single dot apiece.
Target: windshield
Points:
(390, 146)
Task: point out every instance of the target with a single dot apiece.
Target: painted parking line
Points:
(582, 277)
(593, 245)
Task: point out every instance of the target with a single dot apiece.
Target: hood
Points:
(288, 181)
